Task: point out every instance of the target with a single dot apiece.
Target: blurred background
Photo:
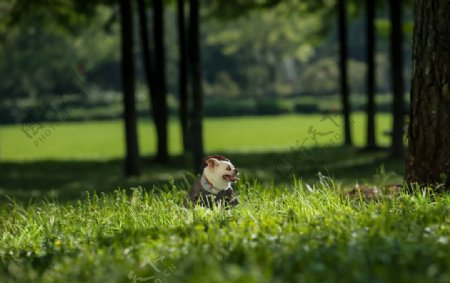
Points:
(275, 77)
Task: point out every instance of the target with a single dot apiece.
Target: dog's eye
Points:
(229, 168)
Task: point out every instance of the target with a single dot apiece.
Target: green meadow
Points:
(68, 214)
(67, 159)
(105, 140)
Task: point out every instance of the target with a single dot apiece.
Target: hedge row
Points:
(217, 107)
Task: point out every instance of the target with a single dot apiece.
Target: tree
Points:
(370, 44)
(69, 16)
(183, 76)
(398, 105)
(147, 57)
(196, 76)
(262, 53)
(428, 159)
(342, 24)
(159, 102)
(132, 166)
(155, 72)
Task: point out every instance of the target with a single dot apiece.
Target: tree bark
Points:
(370, 44)
(146, 54)
(197, 94)
(183, 77)
(132, 164)
(342, 23)
(398, 104)
(428, 159)
(160, 104)
(147, 59)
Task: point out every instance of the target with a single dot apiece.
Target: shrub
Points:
(306, 108)
(230, 107)
(273, 106)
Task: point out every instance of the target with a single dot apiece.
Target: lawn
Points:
(104, 140)
(67, 213)
(78, 157)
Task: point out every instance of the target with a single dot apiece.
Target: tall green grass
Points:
(294, 233)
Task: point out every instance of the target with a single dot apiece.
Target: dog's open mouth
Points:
(230, 178)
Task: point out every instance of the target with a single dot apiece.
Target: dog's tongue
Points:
(230, 178)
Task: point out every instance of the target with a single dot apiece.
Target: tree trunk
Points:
(160, 105)
(398, 104)
(146, 54)
(342, 23)
(370, 44)
(183, 77)
(147, 59)
(197, 95)
(428, 160)
(132, 166)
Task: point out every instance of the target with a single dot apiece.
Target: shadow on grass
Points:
(70, 179)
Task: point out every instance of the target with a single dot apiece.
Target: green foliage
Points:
(97, 105)
(250, 48)
(223, 85)
(66, 15)
(225, 10)
(383, 27)
(222, 107)
(266, 47)
(322, 76)
(307, 232)
(37, 61)
(272, 106)
(42, 60)
(306, 108)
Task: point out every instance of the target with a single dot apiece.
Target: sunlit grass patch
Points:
(295, 232)
(104, 140)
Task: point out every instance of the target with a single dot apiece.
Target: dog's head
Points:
(220, 172)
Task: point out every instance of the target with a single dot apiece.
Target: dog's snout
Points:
(236, 171)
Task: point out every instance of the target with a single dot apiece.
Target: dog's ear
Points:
(212, 162)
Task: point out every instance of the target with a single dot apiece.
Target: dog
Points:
(213, 187)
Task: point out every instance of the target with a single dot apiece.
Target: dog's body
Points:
(213, 187)
(199, 195)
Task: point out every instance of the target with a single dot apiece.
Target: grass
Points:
(104, 140)
(79, 157)
(295, 233)
(67, 214)
(69, 179)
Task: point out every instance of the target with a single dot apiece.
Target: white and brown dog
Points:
(214, 185)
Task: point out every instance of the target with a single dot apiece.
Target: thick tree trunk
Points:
(183, 77)
(197, 94)
(428, 160)
(132, 166)
(398, 104)
(160, 105)
(370, 44)
(342, 23)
